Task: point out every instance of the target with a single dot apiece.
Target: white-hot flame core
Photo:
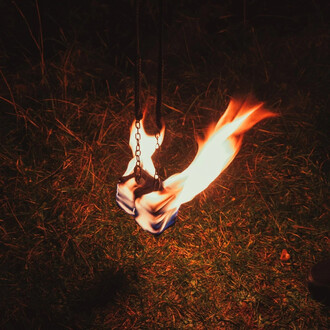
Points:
(147, 146)
(155, 211)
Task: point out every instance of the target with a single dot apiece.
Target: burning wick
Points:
(156, 208)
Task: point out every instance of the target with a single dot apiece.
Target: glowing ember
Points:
(156, 209)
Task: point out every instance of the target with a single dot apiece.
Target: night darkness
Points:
(240, 252)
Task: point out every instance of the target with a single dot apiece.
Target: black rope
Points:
(138, 112)
(160, 69)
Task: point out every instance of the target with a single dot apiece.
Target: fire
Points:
(156, 210)
(148, 147)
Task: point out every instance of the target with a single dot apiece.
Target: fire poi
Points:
(154, 204)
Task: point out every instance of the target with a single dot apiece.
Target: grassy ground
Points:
(70, 258)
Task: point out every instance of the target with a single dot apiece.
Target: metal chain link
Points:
(138, 169)
(156, 176)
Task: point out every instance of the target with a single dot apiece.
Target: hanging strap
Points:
(138, 112)
(160, 69)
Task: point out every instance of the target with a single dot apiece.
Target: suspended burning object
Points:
(155, 204)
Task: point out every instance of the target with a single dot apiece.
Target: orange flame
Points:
(148, 147)
(155, 211)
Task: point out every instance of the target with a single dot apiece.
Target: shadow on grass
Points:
(73, 306)
(100, 293)
(103, 290)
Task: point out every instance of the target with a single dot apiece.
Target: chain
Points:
(137, 169)
(156, 176)
(157, 141)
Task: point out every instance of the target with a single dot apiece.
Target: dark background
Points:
(216, 33)
(276, 50)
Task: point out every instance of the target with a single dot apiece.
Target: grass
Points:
(70, 258)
